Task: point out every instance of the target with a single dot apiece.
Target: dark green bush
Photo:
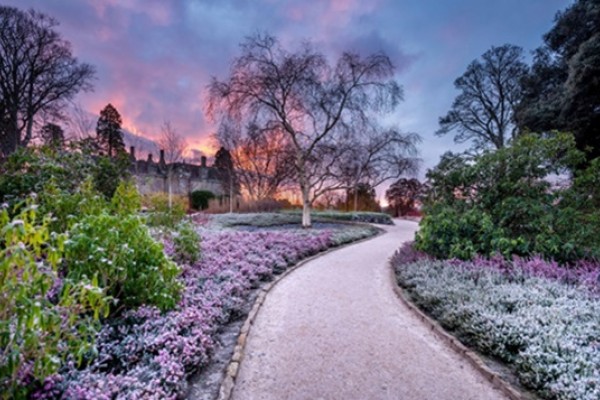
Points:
(503, 202)
(119, 252)
(199, 199)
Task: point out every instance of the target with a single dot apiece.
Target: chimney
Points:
(203, 161)
(150, 158)
(132, 153)
(162, 157)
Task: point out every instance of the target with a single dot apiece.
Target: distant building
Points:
(151, 176)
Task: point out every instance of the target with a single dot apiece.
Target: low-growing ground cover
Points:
(540, 318)
(144, 353)
(295, 217)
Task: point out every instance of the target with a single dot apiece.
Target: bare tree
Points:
(81, 124)
(378, 156)
(317, 105)
(37, 73)
(490, 90)
(261, 157)
(173, 145)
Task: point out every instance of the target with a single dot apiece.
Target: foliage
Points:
(108, 129)
(361, 198)
(148, 354)
(187, 243)
(528, 313)
(39, 74)
(118, 252)
(502, 202)
(126, 200)
(562, 91)
(226, 172)
(403, 194)
(30, 170)
(160, 214)
(490, 90)
(44, 319)
(199, 199)
(53, 135)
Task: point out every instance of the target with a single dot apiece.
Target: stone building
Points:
(152, 176)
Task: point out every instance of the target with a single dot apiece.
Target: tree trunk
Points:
(306, 223)
(355, 198)
(170, 192)
(230, 194)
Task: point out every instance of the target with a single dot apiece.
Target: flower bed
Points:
(538, 317)
(148, 354)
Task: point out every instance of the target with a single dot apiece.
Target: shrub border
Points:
(232, 369)
(460, 349)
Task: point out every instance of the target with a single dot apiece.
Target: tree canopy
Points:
(562, 90)
(38, 73)
(108, 129)
(317, 105)
(490, 89)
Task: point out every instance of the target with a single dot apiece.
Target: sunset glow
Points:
(154, 58)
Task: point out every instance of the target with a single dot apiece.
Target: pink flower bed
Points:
(583, 273)
(149, 355)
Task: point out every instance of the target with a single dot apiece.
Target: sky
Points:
(154, 58)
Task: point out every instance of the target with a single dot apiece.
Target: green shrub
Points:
(502, 202)
(119, 252)
(43, 319)
(160, 214)
(199, 199)
(187, 243)
(126, 199)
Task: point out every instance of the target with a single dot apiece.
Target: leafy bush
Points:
(30, 170)
(502, 202)
(120, 254)
(199, 199)
(161, 214)
(187, 243)
(43, 319)
(537, 316)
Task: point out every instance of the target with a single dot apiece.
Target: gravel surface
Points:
(334, 329)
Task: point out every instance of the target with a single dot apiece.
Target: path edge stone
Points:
(469, 355)
(232, 369)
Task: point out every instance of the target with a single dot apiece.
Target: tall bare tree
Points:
(490, 90)
(316, 104)
(38, 73)
(80, 122)
(174, 146)
(261, 157)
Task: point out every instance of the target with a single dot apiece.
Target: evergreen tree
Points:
(108, 129)
(226, 173)
(562, 91)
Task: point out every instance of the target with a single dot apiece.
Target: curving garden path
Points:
(335, 329)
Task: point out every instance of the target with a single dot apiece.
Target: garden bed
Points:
(539, 318)
(148, 354)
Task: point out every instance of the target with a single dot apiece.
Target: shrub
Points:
(161, 214)
(43, 318)
(502, 202)
(199, 199)
(187, 243)
(119, 252)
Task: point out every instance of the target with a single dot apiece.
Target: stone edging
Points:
(226, 389)
(456, 345)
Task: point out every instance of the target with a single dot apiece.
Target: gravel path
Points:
(334, 329)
